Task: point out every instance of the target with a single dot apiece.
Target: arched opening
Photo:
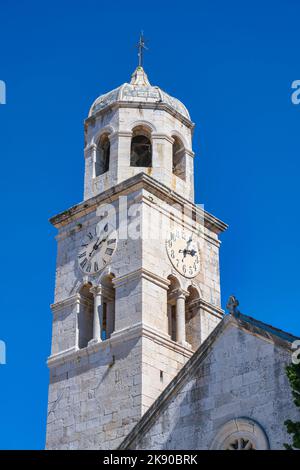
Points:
(102, 155)
(192, 318)
(241, 434)
(179, 160)
(141, 147)
(171, 307)
(85, 317)
(108, 323)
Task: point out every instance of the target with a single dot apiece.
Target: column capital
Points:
(96, 290)
(90, 150)
(181, 293)
(161, 136)
(117, 134)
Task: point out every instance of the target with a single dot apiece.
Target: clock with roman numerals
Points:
(184, 254)
(96, 250)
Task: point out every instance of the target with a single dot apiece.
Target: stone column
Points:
(93, 150)
(169, 313)
(180, 318)
(98, 313)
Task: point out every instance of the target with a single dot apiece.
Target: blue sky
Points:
(232, 63)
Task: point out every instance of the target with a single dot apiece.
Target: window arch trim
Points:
(240, 428)
(141, 152)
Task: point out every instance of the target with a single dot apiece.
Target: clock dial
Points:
(183, 252)
(97, 250)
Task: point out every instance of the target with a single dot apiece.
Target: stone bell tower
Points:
(137, 275)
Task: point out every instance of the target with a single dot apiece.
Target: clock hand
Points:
(184, 252)
(192, 252)
(187, 252)
(97, 244)
(93, 249)
(190, 240)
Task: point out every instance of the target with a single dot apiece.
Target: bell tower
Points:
(155, 138)
(137, 275)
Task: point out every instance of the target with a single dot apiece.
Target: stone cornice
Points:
(208, 307)
(138, 330)
(188, 223)
(136, 182)
(141, 105)
(120, 134)
(70, 301)
(190, 153)
(159, 135)
(144, 274)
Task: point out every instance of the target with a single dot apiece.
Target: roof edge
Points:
(63, 218)
(253, 326)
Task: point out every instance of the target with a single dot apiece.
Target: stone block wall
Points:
(243, 376)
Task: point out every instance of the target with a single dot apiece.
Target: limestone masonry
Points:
(142, 356)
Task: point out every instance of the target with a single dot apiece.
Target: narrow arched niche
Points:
(108, 320)
(102, 155)
(178, 158)
(85, 317)
(171, 306)
(141, 147)
(192, 318)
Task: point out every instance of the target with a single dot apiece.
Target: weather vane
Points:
(141, 46)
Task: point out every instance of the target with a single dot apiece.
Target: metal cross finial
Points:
(141, 46)
(232, 306)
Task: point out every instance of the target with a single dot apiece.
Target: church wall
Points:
(159, 219)
(95, 398)
(161, 362)
(243, 376)
(208, 322)
(64, 328)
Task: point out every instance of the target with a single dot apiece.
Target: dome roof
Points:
(138, 90)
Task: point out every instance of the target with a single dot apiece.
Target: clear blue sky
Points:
(232, 63)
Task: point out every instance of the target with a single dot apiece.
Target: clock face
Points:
(183, 252)
(97, 249)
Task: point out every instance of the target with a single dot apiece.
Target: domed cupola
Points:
(138, 128)
(139, 90)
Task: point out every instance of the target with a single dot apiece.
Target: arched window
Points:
(178, 162)
(85, 317)
(108, 323)
(240, 434)
(192, 318)
(102, 155)
(141, 148)
(171, 307)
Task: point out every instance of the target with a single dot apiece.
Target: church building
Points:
(142, 354)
